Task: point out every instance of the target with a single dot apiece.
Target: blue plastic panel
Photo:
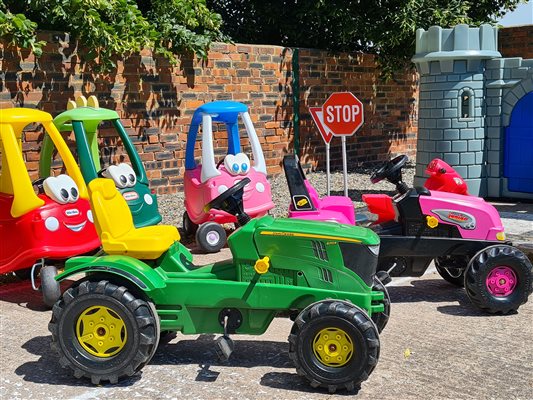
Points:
(518, 159)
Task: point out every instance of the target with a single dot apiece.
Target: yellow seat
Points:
(114, 224)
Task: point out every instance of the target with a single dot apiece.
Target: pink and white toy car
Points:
(205, 183)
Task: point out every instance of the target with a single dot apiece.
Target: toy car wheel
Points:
(381, 319)
(452, 269)
(211, 237)
(499, 279)
(103, 332)
(189, 227)
(49, 286)
(334, 344)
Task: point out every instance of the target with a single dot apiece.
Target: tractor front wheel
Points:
(382, 318)
(499, 279)
(102, 332)
(334, 344)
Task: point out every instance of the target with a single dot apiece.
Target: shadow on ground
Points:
(436, 291)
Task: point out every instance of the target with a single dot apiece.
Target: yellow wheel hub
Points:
(333, 347)
(101, 331)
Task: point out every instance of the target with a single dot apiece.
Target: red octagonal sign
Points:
(343, 113)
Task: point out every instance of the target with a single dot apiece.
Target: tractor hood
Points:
(316, 230)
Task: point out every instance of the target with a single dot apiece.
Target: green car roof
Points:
(84, 114)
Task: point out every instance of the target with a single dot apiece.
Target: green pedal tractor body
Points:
(322, 275)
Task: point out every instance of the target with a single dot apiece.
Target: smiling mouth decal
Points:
(76, 228)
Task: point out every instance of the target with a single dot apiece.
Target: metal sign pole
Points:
(344, 165)
(327, 169)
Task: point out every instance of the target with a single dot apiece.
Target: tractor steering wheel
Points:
(230, 201)
(389, 170)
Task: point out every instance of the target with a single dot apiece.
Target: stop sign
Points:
(343, 113)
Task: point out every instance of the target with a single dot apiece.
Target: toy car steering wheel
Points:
(389, 169)
(39, 184)
(230, 201)
(100, 173)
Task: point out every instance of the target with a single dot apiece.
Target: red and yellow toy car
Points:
(47, 219)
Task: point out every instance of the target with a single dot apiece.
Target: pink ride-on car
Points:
(206, 183)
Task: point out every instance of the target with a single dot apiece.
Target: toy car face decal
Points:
(77, 227)
(463, 219)
(123, 175)
(62, 189)
(238, 164)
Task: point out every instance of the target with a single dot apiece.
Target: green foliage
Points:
(107, 29)
(383, 27)
(18, 30)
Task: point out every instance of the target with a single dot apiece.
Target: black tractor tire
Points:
(133, 318)
(485, 264)
(452, 270)
(382, 318)
(359, 333)
(49, 286)
(211, 237)
(189, 227)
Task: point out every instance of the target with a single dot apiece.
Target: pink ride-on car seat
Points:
(305, 201)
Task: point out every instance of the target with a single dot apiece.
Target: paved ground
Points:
(436, 346)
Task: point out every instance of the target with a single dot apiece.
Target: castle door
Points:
(518, 159)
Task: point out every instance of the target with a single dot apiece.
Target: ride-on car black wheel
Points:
(334, 344)
(381, 319)
(211, 237)
(49, 286)
(189, 227)
(452, 269)
(499, 279)
(102, 332)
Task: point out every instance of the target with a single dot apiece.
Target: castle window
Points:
(466, 104)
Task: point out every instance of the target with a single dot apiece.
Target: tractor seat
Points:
(114, 224)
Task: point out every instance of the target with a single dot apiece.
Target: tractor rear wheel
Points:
(499, 279)
(102, 332)
(334, 344)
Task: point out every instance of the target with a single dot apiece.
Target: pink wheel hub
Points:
(501, 281)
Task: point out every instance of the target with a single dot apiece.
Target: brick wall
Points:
(516, 41)
(156, 100)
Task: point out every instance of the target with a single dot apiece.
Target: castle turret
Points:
(451, 63)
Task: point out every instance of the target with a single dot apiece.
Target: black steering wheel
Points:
(230, 201)
(39, 184)
(100, 174)
(390, 170)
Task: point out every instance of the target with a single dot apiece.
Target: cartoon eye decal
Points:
(244, 163)
(231, 164)
(123, 175)
(62, 189)
(238, 164)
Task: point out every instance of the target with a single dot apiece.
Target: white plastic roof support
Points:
(209, 169)
(257, 151)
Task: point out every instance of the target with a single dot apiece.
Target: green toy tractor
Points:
(321, 275)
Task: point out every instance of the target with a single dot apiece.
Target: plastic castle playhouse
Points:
(476, 110)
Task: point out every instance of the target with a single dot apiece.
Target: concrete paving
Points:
(436, 346)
